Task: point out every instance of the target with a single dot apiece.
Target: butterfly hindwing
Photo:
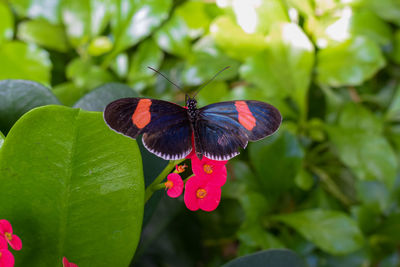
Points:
(165, 126)
(222, 128)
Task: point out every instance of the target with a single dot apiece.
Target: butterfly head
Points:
(191, 103)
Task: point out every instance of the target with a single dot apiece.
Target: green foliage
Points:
(326, 186)
(58, 179)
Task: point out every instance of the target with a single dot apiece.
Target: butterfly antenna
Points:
(167, 79)
(204, 84)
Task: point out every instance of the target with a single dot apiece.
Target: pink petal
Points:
(15, 242)
(3, 243)
(6, 258)
(177, 188)
(190, 198)
(5, 227)
(211, 201)
(66, 263)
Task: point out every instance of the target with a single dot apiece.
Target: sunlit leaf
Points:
(134, 20)
(43, 34)
(85, 19)
(6, 22)
(18, 97)
(332, 231)
(35, 9)
(195, 16)
(1, 140)
(349, 63)
(173, 36)
(73, 188)
(148, 54)
(234, 41)
(386, 9)
(207, 60)
(23, 61)
(284, 68)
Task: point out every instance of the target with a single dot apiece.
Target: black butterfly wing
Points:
(165, 126)
(222, 128)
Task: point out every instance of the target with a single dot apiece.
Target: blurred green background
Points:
(326, 185)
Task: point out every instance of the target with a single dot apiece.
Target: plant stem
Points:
(155, 184)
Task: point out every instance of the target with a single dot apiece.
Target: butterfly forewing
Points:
(165, 126)
(223, 128)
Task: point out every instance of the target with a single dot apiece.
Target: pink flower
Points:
(180, 168)
(213, 170)
(3, 243)
(6, 258)
(200, 193)
(66, 263)
(174, 185)
(7, 232)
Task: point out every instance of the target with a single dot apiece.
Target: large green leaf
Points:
(18, 97)
(277, 160)
(349, 63)
(332, 231)
(134, 20)
(47, 9)
(23, 61)
(85, 19)
(272, 257)
(6, 22)
(99, 98)
(71, 187)
(39, 32)
(284, 68)
(396, 50)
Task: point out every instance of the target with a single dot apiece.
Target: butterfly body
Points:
(219, 130)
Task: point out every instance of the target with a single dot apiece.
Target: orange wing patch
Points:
(246, 118)
(142, 116)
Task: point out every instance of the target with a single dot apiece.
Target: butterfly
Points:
(219, 130)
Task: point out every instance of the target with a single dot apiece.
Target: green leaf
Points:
(173, 37)
(85, 19)
(35, 9)
(272, 257)
(195, 15)
(361, 146)
(1, 140)
(148, 54)
(366, 23)
(68, 93)
(349, 63)
(277, 159)
(390, 228)
(213, 93)
(396, 50)
(332, 231)
(99, 98)
(374, 195)
(38, 32)
(255, 236)
(73, 188)
(259, 17)
(284, 68)
(18, 97)
(86, 75)
(134, 20)
(6, 23)
(99, 46)
(205, 61)
(387, 9)
(234, 41)
(23, 61)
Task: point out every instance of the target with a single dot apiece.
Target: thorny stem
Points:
(155, 185)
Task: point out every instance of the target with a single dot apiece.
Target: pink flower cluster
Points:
(203, 190)
(8, 238)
